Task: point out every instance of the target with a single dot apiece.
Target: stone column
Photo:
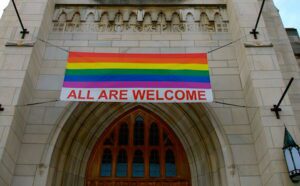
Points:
(18, 69)
(263, 84)
(284, 52)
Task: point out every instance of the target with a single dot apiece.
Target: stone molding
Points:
(140, 19)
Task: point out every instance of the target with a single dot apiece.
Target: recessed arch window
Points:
(106, 163)
(138, 147)
(139, 131)
(123, 134)
(154, 134)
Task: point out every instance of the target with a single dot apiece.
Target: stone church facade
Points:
(208, 144)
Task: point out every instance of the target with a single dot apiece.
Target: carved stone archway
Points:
(201, 140)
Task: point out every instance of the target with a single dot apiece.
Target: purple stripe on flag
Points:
(136, 84)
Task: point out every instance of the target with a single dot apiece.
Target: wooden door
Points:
(138, 149)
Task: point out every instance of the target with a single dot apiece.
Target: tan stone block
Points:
(239, 116)
(13, 142)
(52, 71)
(85, 36)
(217, 64)
(8, 161)
(251, 181)
(266, 75)
(32, 8)
(270, 96)
(25, 170)
(263, 62)
(173, 50)
(136, 37)
(165, 37)
(14, 62)
(277, 134)
(35, 138)
(5, 174)
(154, 44)
(196, 36)
(74, 43)
(56, 42)
(100, 43)
(36, 115)
(240, 139)
(23, 180)
(224, 115)
(6, 95)
(233, 63)
(248, 170)
(212, 44)
(276, 154)
(274, 180)
(2, 182)
(125, 43)
(228, 94)
(243, 154)
(237, 129)
(182, 43)
(107, 49)
(109, 37)
(279, 166)
(226, 82)
(60, 36)
(140, 50)
(31, 153)
(53, 53)
(38, 129)
(266, 83)
(197, 50)
(227, 53)
(217, 36)
(223, 71)
(5, 120)
(50, 82)
(52, 114)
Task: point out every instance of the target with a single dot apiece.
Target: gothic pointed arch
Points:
(196, 127)
(90, 18)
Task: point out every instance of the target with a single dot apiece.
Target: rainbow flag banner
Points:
(113, 77)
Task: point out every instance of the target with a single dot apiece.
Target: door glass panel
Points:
(170, 164)
(106, 163)
(138, 164)
(122, 164)
(154, 164)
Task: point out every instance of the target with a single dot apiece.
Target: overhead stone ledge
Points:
(257, 44)
(20, 43)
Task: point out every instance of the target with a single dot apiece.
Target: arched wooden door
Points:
(138, 149)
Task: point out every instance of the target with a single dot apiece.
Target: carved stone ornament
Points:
(140, 19)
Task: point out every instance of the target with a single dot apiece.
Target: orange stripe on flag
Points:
(136, 60)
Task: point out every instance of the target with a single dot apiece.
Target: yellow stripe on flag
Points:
(137, 66)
